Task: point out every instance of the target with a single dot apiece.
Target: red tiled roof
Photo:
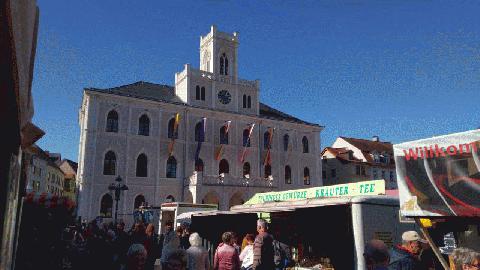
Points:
(368, 146)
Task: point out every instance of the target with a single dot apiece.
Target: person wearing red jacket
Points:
(226, 256)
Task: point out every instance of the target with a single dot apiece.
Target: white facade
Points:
(222, 100)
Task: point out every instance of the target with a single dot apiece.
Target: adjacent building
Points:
(69, 169)
(42, 174)
(353, 160)
(207, 139)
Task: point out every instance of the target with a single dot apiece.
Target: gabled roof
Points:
(166, 93)
(368, 146)
(72, 164)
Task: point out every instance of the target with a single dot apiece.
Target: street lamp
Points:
(117, 188)
(246, 179)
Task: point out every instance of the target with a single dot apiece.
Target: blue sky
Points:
(401, 70)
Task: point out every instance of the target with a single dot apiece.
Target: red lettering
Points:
(450, 148)
(411, 154)
(439, 152)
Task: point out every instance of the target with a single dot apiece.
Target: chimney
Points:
(375, 139)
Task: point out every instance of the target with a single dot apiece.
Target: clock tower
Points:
(216, 85)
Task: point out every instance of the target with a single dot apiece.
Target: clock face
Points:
(224, 97)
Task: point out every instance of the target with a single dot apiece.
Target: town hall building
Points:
(207, 139)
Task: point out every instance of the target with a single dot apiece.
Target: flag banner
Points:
(439, 176)
(220, 148)
(201, 138)
(246, 143)
(268, 159)
(171, 145)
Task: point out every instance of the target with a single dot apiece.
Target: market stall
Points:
(329, 229)
(439, 186)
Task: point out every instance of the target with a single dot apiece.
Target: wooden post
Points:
(432, 244)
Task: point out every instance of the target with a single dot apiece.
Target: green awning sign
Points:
(373, 187)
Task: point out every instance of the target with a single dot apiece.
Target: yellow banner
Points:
(373, 187)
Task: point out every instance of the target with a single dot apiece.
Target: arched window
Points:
(266, 139)
(109, 163)
(223, 135)
(288, 175)
(199, 136)
(244, 101)
(112, 121)
(197, 93)
(246, 169)
(226, 65)
(246, 139)
(268, 171)
(202, 96)
(222, 62)
(305, 144)
(170, 198)
(223, 166)
(139, 201)
(199, 165)
(286, 139)
(142, 164)
(171, 127)
(249, 102)
(171, 167)
(106, 205)
(306, 176)
(144, 125)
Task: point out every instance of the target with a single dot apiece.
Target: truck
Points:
(329, 231)
(177, 212)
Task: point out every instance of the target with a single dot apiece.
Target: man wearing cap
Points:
(405, 256)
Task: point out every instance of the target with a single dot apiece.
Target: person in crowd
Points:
(405, 256)
(185, 236)
(466, 259)
(427, 257)
(151, 245)
(376, 255)
(171, 243)
(263, 248)
(176, 260)
(246, 257)
(120, 246)
(226, 256)
(138, 234)
(197, 255)
(136, 257)
(235, 242)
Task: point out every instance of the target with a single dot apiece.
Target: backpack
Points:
(278, 254)
(282, 257)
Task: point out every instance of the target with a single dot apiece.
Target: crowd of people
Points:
(111, 247)
(414, 253)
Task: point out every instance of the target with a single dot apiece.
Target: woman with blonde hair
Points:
(197, 255)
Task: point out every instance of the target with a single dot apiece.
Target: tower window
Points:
(244, 101)
(249, 102)
(226, 64)
(222, 61)
(202, 94)
(197, 92)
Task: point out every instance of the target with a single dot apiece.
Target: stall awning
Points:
(271, 207)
